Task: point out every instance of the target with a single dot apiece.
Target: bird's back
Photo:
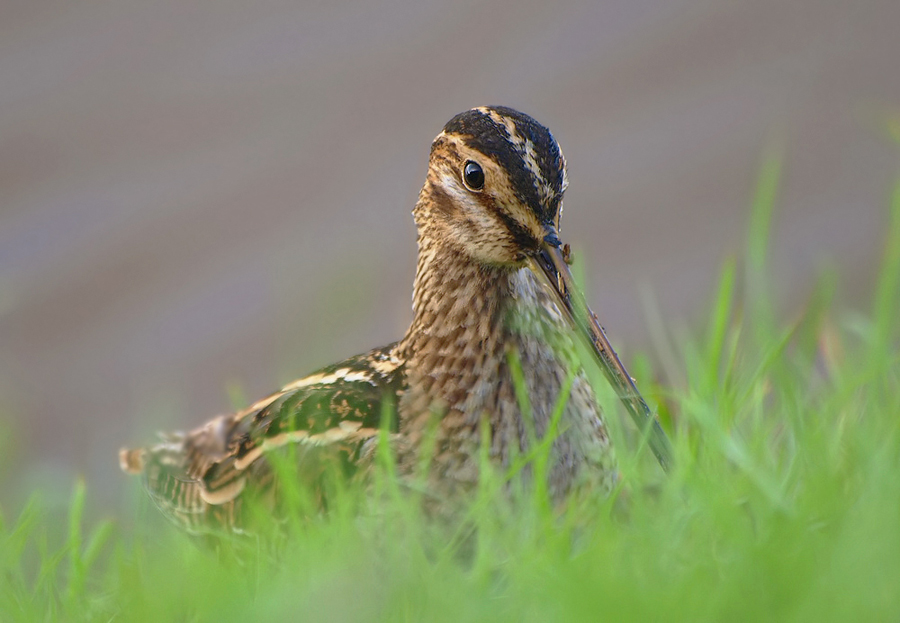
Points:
(201, 479)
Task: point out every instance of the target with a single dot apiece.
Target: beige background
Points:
(204, 195)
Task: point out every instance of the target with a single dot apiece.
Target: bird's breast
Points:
(506, 377)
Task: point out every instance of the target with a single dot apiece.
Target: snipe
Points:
(492, 292)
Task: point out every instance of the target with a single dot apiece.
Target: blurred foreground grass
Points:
(784, 503)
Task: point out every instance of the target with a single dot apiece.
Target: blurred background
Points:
(202, 200)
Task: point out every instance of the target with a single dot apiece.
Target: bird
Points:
(489, 357)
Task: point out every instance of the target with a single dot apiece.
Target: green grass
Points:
(784, 503)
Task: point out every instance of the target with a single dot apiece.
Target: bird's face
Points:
(495, 184)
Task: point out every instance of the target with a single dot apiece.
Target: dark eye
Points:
(473, 175)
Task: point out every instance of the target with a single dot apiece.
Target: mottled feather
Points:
(197, 479)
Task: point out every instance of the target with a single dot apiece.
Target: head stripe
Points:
(523, 147)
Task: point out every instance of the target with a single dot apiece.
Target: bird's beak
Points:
(550, 264)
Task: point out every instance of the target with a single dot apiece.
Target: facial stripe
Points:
(523, 147)
(450, 197)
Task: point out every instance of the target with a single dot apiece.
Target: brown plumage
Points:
(491, 293)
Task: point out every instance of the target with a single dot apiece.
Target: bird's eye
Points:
(473, 175)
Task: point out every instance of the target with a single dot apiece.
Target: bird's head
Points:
(495, 184)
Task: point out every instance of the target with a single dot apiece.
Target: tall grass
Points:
(784, 503)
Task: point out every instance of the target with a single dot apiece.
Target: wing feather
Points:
(197, 478)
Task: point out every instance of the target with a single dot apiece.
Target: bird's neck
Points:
(465, 322)
(458, 308)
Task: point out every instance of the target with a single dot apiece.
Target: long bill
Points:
(551, 264)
